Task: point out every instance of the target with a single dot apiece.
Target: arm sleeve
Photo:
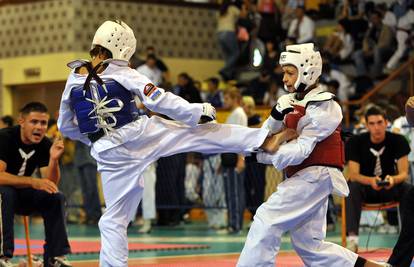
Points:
(67, 123)
(157, 99)
(402, 148)
(316, 127)
(352, 151)
(45, 154)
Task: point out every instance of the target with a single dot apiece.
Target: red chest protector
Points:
(329, 152)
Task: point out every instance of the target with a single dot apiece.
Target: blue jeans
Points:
(235, 197)
(91, 203)
(230, 48)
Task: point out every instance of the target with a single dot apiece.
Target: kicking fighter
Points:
(98, 108)
(312, 164)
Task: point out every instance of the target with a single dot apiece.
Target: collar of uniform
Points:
(315, 95)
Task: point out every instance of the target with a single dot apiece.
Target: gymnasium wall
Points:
(39, 38)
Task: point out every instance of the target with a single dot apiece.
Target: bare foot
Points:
(272, 143)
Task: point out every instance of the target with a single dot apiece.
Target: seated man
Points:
(378, 168)
(23, 149)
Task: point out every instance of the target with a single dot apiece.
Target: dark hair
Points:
(334, 83)
(214, 81)
(100, 50)
(8, 120)
(152, 56)
(224, 7)
(33, 107)
(373, 111)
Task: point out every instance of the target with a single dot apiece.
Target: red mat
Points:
(81, 247)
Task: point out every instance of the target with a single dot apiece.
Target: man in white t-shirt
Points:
(150, 70)
(233, 165)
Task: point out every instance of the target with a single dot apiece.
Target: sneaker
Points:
(5, 262)
(146, 227)
(59, 262)
(352, 245)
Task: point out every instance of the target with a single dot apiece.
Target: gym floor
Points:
(221, 250)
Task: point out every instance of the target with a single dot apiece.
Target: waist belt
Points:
(93, 137)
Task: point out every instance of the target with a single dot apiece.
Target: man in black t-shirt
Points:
(23, 149)
(374, 157)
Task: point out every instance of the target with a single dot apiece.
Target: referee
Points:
(23, 149)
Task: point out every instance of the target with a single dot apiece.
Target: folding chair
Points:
(26, 230)
(367, 207)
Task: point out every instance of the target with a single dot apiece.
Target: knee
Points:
(57, 198)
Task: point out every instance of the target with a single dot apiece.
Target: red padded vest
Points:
(329, 152)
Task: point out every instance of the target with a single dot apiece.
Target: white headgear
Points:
(307, 61)
(117, 37)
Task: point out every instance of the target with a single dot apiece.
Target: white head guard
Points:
(307, 61)
(117, 37)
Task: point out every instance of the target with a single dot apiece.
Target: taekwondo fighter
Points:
(98, 108)
(312, 165)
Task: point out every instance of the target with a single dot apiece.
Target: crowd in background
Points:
(370, 38)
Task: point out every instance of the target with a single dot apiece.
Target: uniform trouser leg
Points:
(122, 166)
(8, 202)
(234, 184)
(403, 252)
(148, 201)
(308, 241)
(296, 200)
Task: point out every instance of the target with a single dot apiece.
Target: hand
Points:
(391, 180)
(44, 185)
(374, 185)
(283, 107)
(272, 144)
(57, 149)
(240, 166)
(209, 113)
(410, 102)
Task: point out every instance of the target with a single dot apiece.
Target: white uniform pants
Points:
(148, 200)
(299, 205)
(121, 168)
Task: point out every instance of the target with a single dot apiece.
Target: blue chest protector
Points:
(102, 107)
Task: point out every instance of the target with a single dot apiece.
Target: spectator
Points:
(148, 180)
(302, 28)
(340, 44)
(186, 89)
(374, 157)
(6, 121)
(214, 196)
(272, 95)
(23, 148)
(214, 96)
(271, 59)
(270, 26)
(346, 89)
(233, 165)
(160, 64)
(401, 126)
(86, 167)
(151, 70)
(259, 86)
(227, 38)
(404, 30)
(255, 173)
(353, 9)
(377, 46)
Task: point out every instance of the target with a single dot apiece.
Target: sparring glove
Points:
(275, 121)
(209, 113)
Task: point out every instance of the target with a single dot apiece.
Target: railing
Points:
(409, 65)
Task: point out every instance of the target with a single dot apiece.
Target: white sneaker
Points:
(352, 243)
(146, 227)
(5, 262)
